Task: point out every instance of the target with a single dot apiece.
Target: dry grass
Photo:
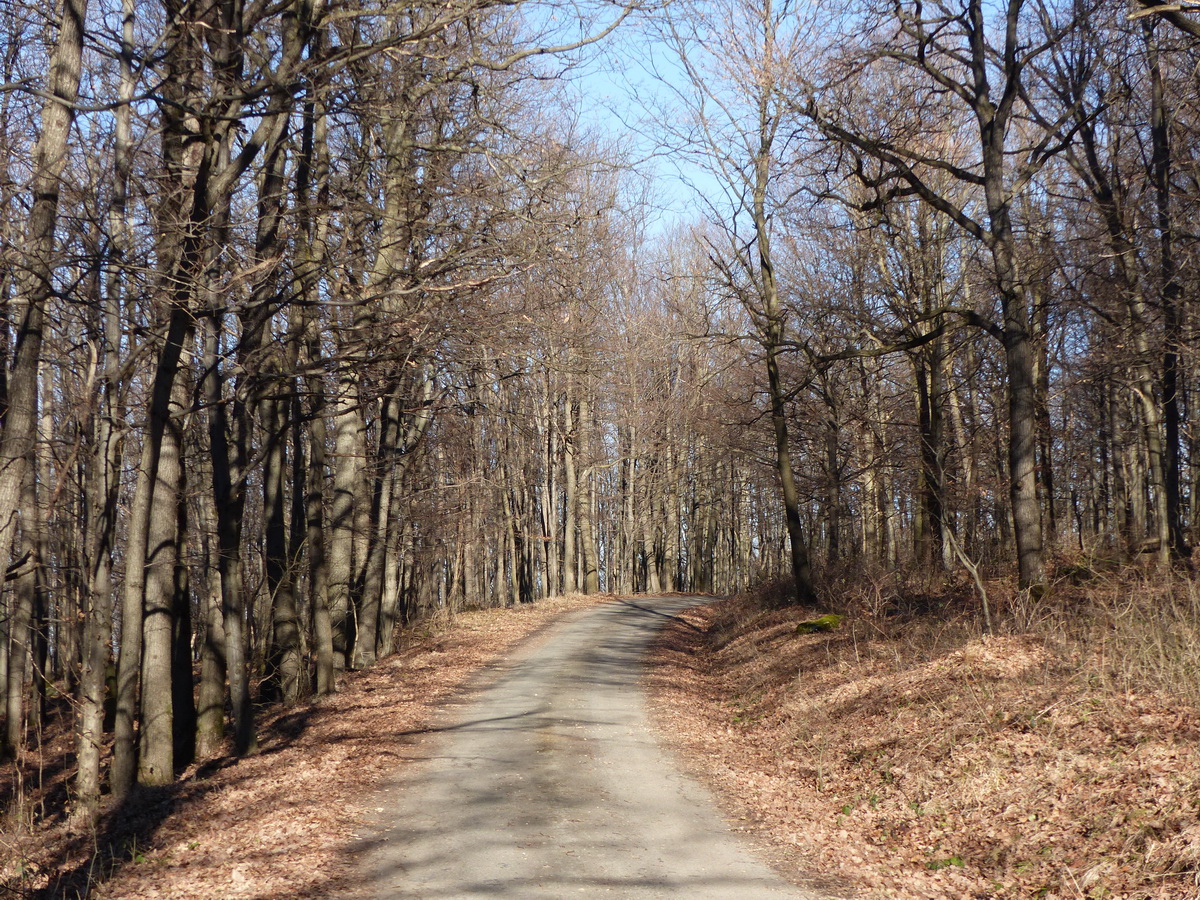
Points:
(1147, 634)
(915, 757)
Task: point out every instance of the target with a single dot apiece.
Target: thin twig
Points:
(974, 570)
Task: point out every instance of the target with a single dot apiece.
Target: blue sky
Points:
(619, 97)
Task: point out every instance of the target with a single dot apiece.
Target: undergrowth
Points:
(1124, 628)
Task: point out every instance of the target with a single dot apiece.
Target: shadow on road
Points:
(550, 785)
(655, 612)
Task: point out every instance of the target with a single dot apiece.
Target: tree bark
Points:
(549, 489)
(589, 556)
(210, 713)
(285, 631)
(105, 484)
(156, 760)
(34, 280)
(21, 629)
(183, 693)
(348, 425)
(1172, 293)
(312, 178)
(570, 495)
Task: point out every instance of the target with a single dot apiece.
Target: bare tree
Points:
(34, 286)
(738, 59)
(963, 63)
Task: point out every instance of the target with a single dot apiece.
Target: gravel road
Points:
(549, 784)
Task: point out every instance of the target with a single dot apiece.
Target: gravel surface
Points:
(548, 783)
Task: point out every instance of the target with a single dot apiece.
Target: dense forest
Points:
(323, 317)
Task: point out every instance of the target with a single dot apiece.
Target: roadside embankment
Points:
(906, 752)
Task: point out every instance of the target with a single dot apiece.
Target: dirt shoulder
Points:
(942, 767)
(278, 824)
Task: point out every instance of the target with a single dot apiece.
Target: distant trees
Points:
(937, 173)
(309, 334)
(736, 57)
(970, 73)
(245, 286)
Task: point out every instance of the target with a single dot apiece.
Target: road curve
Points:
(549, 784)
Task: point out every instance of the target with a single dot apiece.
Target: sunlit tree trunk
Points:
(34, 278)
(570, 495)
(1171, 532)
(588, 550)
(285, 625)
(105, 470)
(348, 425)
(210, 712)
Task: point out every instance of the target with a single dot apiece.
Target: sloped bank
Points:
(914, 758)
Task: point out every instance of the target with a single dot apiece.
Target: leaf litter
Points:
(977, 768)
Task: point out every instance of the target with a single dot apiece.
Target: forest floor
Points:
(915, 758)
(902, 754)
(271, 826)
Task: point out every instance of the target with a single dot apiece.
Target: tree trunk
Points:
(105, 485)
(35, 276)
(400, 433)
(312, 175)
(156, 762)
(210, 713)
(21, 629)
(671, 549)
(104, 492)
(1022, 391)
(228, 468)
(348, 425)
(183, 695)
(367, 644)
(318, 566)
(930, 506)
(285, 631)
(589, 555)
(1171, 532)
(549, 490)
(771, 333)
(1041, 332)
(570, 496)
(833, 485)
